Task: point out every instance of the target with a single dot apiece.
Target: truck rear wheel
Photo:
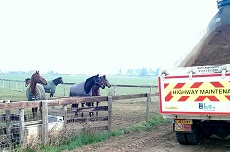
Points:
(193, 138)
(182, 138)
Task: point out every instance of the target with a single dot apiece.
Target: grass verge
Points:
(83, 139)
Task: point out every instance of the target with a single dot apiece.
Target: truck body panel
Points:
(195, 94)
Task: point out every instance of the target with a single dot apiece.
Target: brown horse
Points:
(36, 91)
(51, 85)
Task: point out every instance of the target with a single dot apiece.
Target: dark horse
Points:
(36, 91)
(27, 82)
(84, 88)
(51, 85)
(96, 90)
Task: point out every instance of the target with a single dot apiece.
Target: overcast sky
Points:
(99, 36)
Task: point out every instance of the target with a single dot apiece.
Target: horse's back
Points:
(39, 96)
(78, 90)
(50, 87)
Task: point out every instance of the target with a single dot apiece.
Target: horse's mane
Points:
(57, 80)
(27, 79)
(87, 90)
(91, 78)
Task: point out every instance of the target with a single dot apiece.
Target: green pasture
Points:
(12, 90)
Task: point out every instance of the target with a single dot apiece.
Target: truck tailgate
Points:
(196, 94)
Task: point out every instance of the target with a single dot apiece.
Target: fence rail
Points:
(44, 105)
(114, 86)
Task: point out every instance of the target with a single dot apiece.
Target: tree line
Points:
(129, 72)
(139, 72)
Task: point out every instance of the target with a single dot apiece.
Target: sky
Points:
(99, 36)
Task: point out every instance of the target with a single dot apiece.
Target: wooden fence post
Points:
(65, 111)
(114, 90)
(23, 86)
(22, 126)
(110, 102)
(8, 125)
(45, 124)
(64, 88)
(147, 106)
(16, 83)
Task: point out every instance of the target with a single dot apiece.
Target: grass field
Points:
(10, 90)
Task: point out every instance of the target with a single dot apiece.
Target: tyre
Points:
(194, 138)
(182, 138)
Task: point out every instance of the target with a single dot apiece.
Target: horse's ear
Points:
(104, 76)
(97, 75)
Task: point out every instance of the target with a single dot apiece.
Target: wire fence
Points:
(58, 120)
(63, 89)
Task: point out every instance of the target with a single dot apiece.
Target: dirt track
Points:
(160, 139)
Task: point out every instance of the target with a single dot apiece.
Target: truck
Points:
(196, 93)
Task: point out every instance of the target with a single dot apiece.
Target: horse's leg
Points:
(75, 106)
(82, 105)
(98, 94)
(34, 111)
(51, 94)
(40, 109)
(91, 113)
(90, 104)
(97, 106)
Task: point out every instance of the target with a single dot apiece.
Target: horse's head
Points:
(58, 80)
(105, 81)
(27, 82)
(98, 81)
(37, 78)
